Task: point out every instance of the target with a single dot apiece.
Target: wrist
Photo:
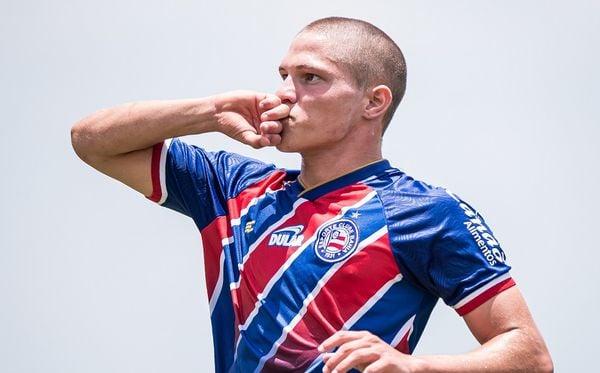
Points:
(419, 364)
(202, 115)
(221, 107)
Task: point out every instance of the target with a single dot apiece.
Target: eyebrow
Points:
(304, 66)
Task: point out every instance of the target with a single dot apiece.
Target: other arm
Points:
(510, 342)
(118, 141)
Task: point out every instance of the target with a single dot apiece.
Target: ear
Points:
(380, 99)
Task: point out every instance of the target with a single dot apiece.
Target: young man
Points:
(339, 265)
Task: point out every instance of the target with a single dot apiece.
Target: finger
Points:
(358, 359)
(378, 365)
(275, 113)
(251, 138)
(268, 102)
(270, 140)
(346, 350)
(271, 127)
(338, 339)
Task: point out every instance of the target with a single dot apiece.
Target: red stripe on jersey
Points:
(155, 173)
(485, 296)
(274, 181)
(402, 346)
(219, 229)
(212, 238)
(368, 270)
(264, 262)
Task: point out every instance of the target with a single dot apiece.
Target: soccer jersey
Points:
(286, 267)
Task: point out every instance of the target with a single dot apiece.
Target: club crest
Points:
(336, 240)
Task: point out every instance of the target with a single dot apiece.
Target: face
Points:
(325, 102)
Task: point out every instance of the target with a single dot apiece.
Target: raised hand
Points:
(250, 117)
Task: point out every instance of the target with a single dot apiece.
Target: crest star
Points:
(355, 215)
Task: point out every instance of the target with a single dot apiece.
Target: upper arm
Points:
(109, 151)
(505, 312)
(508, 335)
(133, 168)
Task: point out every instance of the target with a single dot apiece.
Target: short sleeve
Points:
(468, 265)
(198, 183)
(445, 247)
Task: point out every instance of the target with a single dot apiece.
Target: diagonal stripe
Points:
(368, 271)
(366, 242)
(266, 262)
(274, 226)
(253, 202)
(241, 204)
(223, 321)
(212, 244)
(403, 334)
(273, 279)
(367, 306)
(285, 294)
(219, 285)
(384, 291)
(260, 217)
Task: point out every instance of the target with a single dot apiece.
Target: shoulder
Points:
(402, 194)
(194, 172)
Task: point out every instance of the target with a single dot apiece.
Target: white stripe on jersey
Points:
(293, 257)
(368, 304)
(406, 329)
(162, 171)
(263, 236)
(481, 290)
(361, 311)
(310, 297)
(253, 201)
(219, 285)
(289, 262)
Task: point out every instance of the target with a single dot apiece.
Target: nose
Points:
(287, 91)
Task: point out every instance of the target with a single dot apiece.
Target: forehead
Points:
(313, 49)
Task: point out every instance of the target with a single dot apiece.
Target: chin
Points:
(285, 148)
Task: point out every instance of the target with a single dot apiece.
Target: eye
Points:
(283, 76)
(308, 77)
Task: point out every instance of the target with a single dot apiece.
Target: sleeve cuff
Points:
(483, 294)
(157, 172)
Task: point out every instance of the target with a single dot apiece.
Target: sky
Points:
(502, 107)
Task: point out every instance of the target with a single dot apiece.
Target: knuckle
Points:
(343, 349)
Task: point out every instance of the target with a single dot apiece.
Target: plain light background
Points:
(502, 107)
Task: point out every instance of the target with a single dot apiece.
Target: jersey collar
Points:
(351, 177)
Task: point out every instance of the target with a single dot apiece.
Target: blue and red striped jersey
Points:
(286, 267)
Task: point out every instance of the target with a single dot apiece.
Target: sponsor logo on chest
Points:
(287, 237)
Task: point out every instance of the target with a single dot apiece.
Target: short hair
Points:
(372, 57)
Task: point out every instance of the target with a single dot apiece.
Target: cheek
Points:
(326, 115)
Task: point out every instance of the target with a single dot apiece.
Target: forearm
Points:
(136, 126)
(118, 141)
(514, 351)
(510, 342)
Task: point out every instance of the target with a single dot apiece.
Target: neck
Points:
(321, 166)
